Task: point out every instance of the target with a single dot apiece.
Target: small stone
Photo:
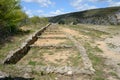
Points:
(3, 75)
(69, 72)
(56, 78)
(26, 75)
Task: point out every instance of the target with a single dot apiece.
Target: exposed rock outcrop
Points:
(112, 19)
(104, 16)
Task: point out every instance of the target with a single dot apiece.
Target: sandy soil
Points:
(112, 55)
(108, 53)
(60, 55)
(54, 35)
(50, 55)
(70, 31)
(73, 32)
(49, 41)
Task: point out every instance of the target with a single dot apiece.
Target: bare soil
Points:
(49, 41)
(102, 49)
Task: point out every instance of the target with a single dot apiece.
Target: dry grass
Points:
(15, 42)
(87, 35)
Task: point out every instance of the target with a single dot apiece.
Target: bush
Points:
(35, 20)
(61, 22)
(11, 16)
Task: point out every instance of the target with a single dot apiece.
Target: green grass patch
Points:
(97, 49)
(94, 33)
(15, 41)
(113, 74)
(111, 45)
(97, 61)
(75, 59)
(33, 63)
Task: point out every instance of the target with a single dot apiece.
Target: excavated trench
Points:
(53, 51)
(14, 56)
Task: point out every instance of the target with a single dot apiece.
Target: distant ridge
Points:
(101, 16)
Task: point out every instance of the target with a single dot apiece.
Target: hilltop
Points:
(104, 16)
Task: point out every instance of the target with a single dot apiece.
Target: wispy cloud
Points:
(82, 5)
(28, 11)
(110, 2)
(90, 4)
(43, 3)
(32, 13)
(57, 12)
(41, 13)
(114, 3)
(53, 7)
(54, 13)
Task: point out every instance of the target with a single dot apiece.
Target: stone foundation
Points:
(15, 56)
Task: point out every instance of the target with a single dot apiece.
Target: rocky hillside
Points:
(102, 16)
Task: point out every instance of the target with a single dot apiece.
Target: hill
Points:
(104, 16)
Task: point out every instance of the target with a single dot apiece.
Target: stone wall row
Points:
(14, 56)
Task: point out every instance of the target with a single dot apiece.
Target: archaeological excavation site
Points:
(82, 45)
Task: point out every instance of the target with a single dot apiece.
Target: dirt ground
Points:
(110, 45)
(102, 44)
(51, 57)
(49, 41)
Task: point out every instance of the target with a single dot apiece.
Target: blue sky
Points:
(57, 7)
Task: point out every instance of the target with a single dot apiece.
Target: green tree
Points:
(61, 22)
(38, 20)
(11, 15)
(35, 20)
(44, 20)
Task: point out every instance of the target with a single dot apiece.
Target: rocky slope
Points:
(103, 16)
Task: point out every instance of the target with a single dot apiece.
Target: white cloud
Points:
(43, 3)
(57, 12)
(31, 13)
(85, 4)
(53, 13)
(76, 3)
(112, 3)
(28, 11)
(81, 5)
(39, 11)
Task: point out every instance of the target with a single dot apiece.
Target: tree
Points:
(61, 22)
(35, 20)
(11, 15)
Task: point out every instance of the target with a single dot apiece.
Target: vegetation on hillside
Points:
(35, 20)
(94, 16)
